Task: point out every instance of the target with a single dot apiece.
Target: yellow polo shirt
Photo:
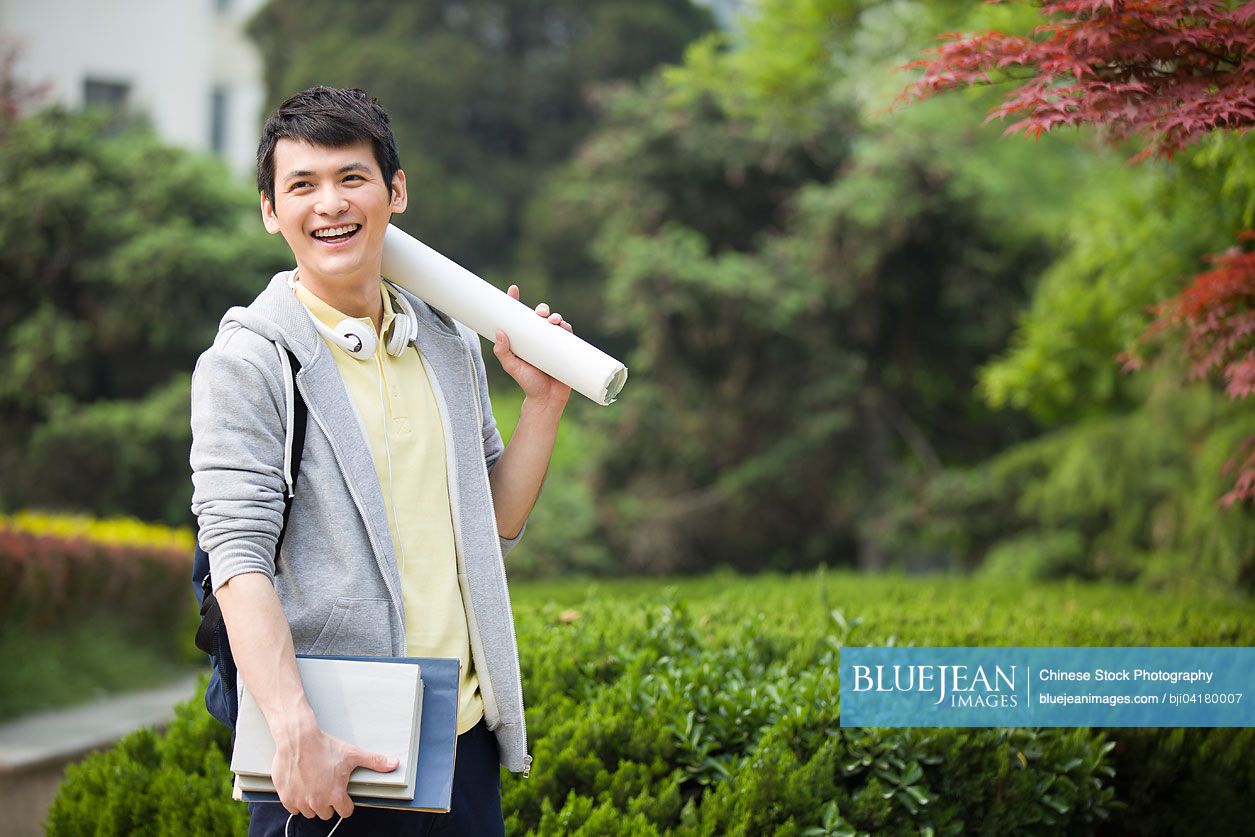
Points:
(394, 398)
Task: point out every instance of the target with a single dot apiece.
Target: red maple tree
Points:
(1169, 72)
(1217, 313)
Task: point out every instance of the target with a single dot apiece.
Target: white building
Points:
(187, 64)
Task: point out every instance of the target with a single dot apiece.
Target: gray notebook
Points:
(374, 705)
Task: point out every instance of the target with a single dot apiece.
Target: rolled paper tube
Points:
(444, 284)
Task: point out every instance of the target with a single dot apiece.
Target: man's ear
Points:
(268, 216)
(399, 196)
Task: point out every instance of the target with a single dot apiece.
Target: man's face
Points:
(332, 207)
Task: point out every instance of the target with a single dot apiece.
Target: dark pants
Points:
(475, 808)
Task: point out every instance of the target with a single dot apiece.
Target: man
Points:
(406, 500)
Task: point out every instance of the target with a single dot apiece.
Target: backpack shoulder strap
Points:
(300, 419)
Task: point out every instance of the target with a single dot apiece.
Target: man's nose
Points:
(330, 201)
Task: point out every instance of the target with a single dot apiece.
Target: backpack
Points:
(221, 695)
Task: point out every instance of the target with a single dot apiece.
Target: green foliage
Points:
(151, 783)
(485, 96)
(562, 531)
(784, 56)
(773, 67)
(1129, 235)
(711, 708)
(119, 256)
(1132, 242)
(1196, 775)
(797, 309)
(65, 664)
(115, 456)
(1037, 555)
(1229, 155)
(804, 284)
(1124, 497)
(656, 163)
(721, 694)
(807, 285)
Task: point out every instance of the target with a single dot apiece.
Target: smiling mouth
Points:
(336, 235)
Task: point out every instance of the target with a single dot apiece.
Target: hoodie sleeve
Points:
(237, 464)
(493, 446)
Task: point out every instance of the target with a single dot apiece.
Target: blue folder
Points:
(437, 738)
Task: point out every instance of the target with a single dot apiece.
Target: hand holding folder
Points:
(397, 706)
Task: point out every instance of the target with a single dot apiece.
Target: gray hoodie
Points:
(338, 580)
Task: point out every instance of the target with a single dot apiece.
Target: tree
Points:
(1128, 236)
(1167, 70)
(1172, 72)
(485, 95)
(120, 256)
(799, 312)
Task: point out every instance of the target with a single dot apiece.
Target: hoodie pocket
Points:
(355, 626)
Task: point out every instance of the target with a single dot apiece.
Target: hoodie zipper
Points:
(505, 583)
(455, 508)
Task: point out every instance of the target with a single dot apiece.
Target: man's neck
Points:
(353, 297)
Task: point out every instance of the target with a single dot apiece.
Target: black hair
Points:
(332, 117)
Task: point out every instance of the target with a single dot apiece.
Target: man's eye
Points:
(300, 184)
(354, 177)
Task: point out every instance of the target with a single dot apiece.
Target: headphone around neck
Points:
(359, 339)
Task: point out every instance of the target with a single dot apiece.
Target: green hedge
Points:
(90, 606)
(710, 707)
(178, 782)
(47, 580)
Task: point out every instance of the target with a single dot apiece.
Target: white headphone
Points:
(358, 339)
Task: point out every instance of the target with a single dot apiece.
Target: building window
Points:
(105, 94)
(218, 103)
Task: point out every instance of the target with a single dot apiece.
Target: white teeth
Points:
(334, 231)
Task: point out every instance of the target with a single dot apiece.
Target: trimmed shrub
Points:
(175, 783)
(88, 606)
(712, 708)
(1174, 780)
(52, 579)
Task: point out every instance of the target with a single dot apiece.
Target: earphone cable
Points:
(387, 446)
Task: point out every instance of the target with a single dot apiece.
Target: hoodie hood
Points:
(279, 317)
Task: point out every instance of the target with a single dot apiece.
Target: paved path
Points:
(34, 750)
